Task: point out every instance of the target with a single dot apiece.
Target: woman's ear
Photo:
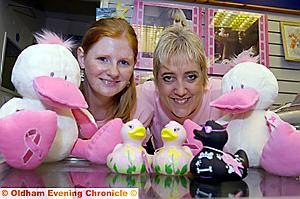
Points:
(80, 57)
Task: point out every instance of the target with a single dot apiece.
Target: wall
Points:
(15, 18)
(286, 72)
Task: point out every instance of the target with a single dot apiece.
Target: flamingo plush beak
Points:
(59, 93)
(237, 101)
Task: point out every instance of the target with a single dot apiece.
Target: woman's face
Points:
(108, 65)
(180, 86)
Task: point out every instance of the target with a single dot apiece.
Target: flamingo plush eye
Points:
(52, 74)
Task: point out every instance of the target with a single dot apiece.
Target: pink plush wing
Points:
(26, 137)
(280, 154)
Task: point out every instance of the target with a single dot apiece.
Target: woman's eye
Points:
(168, 78)
(124, 63)
(103, 59)
(191, 77)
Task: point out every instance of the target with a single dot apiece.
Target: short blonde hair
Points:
(180, 42)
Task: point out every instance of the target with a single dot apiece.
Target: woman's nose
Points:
(113, 70)
(180, 89)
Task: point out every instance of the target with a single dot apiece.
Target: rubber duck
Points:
(211, 163)
(130, 157)
(172, 158)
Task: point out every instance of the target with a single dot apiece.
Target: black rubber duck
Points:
(211, 163)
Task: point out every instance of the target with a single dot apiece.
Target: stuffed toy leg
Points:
(101, 143)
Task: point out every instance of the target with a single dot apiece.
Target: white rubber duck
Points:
(130, 157)
(172, 158)
(47, 76)
(248, 90)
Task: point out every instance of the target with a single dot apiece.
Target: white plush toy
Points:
(42, 126)
(248, 90)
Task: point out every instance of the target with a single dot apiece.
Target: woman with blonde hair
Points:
(181, 89)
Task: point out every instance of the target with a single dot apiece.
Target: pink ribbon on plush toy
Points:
(32, 139)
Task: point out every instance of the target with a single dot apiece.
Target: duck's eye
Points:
(231, 87)
(130, 126)
(66, 77)
(52, 74)
(175, 129)
(242, 86)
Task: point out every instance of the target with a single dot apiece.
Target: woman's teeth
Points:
(109, 82)
(181, 101)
